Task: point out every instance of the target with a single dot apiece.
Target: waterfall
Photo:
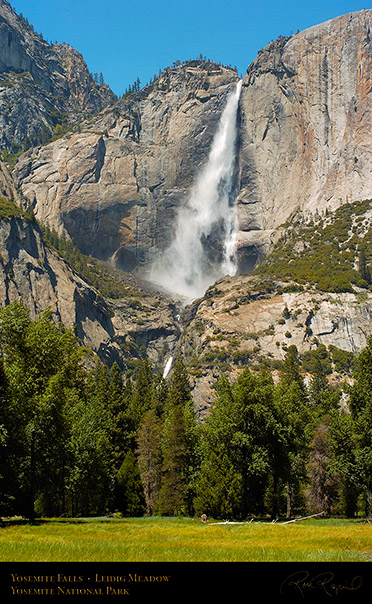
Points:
(204, 245)
(167, 367)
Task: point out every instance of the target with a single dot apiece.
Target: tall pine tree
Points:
(176, 445)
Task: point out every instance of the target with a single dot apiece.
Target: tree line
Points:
(79, 439)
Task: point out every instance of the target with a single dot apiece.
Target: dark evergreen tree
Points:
(322, 493)
(177, 445)
(89, 485)
(241, 440)
(117, 404)
(142, 396)
(100, 382)
(291, 371)
(42, 363)
(179, 389)
(323, 399)
(150, 458)
(364, 271)
(296, 433)
(8, 477)
(219, 488)
(343, 463)
(361, 392)
(159, 395)
(172, 495)
(130, 497)
(361, 409)
(194, 454)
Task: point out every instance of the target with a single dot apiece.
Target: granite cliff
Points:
(34, 273)
(306, 133)
(304, 143)
(42, 85)
(114, 184)
(247, 321)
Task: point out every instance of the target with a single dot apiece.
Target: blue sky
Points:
(126, 39)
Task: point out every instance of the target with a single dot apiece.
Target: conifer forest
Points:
(76, 439)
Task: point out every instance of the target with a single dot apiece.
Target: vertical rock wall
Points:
(306, 126)
(305, 143)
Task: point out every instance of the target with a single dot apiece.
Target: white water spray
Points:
(209, 216)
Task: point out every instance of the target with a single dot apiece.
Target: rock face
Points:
(115, 186)
(115, 183)
(305, 143)
(306, 116)
(115, 330)
(41, 84)
(33, 274)
(240, 322)
(7, 187)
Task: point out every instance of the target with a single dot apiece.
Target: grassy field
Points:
(185, 539)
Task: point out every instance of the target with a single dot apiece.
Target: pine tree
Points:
(343, 463)
(172, 494)
(177, 454)
(361, 392)
(322, 398)
(117, 406)
(258, 434)
(7, 462)
(130, 495)
(179, 390)
(219, 487)
(323, 488)
(150, 459)
(241, 441)
(100, 382)
(219, 490)
(291, 371)
(364, 271)
(295, 419)
(88, 481)
(141, 399)
(42, 365)
(159, 395)
(361, 411)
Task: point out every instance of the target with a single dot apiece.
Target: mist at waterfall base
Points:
(204, 245)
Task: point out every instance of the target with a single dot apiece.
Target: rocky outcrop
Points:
(41, 84)
(115, 186)
(306, 117)
(33, 274)
(243, 321)
(7, 187)
(116, 330)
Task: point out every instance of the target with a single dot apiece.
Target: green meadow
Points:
(159, 539)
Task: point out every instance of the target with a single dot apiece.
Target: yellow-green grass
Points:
(184, 539)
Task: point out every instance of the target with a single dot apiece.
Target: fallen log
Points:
(272, 522)
(303, 518)
(227, 522)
